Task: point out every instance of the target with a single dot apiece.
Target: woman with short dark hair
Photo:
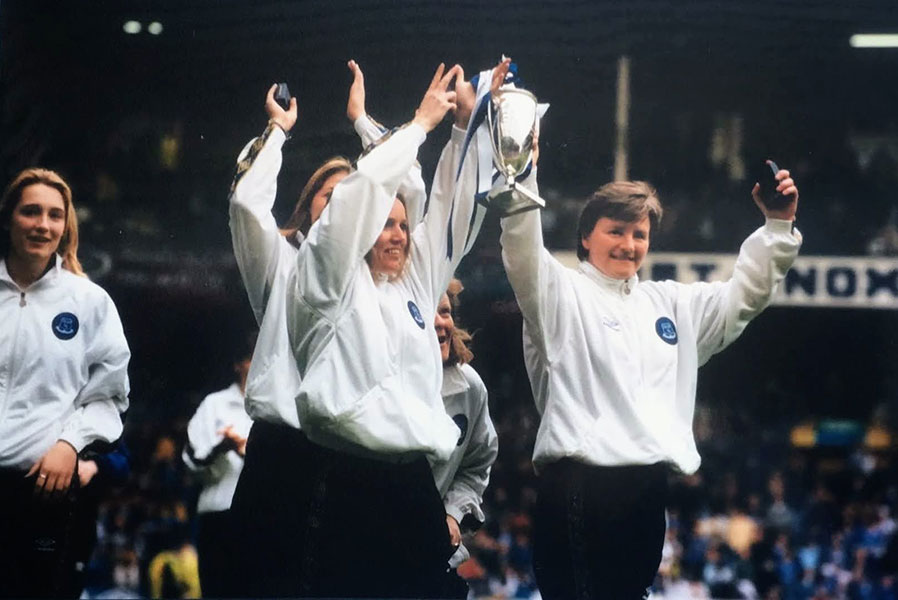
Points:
(613, 364)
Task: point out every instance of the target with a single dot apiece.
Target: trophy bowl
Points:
(512, 117)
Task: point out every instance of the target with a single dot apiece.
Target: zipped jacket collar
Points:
(618, 286)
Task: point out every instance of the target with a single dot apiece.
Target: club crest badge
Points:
(65, 326)
(462, 422)
(666, 330)
(416, 314)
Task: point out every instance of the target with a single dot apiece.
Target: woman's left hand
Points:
(454, 530)
(786, 187)
(54, 470)
(86, 471)
(355, 105)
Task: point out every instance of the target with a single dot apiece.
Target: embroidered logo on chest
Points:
(666, 330)
(65, 326)
(611, 323)
(416, 314)
(462, 422)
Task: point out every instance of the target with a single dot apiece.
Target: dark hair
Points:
(627, 201)
(68, 244)
(301, 219)
(459, 350)
(243, 344)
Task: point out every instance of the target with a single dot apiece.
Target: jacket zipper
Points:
(12, 355)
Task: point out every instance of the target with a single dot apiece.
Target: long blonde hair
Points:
(301, 219)
(68, 243)
(459, 351)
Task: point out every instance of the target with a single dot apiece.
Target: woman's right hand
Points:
(54, 470)
(438, 99)
(285, 119)
(234, 439)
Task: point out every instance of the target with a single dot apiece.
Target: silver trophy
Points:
(513, 120)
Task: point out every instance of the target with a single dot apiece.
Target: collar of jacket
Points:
(46, 277)
(617, 286)
(454, 381)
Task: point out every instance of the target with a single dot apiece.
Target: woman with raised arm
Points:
(279, 503)
(63, 376)
(369, 402)
(613, 363)
(266, 256)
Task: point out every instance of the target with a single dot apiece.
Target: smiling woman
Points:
(390, 251)
(37, 210)
(63, 365)
(613, 365)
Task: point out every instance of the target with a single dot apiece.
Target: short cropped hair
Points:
(628, 201)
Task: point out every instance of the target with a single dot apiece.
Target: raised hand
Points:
(499, 73)
(355, 105)
(786, 187)
(438, 99)
(285, 119)
(465, 96)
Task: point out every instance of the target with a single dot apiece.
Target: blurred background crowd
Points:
(797, 494)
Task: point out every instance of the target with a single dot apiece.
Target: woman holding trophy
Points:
(613, 363)
(358, 497)
(266, 257)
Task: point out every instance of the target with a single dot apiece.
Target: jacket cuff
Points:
(458, 134)
(74, 440)
(456, 513)
(778, 226)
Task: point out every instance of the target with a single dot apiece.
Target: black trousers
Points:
(36, 554)
(215, 550)
(320, 523)
(598, 531)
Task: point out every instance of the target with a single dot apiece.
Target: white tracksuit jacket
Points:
(365, 348)
(265, 260)
(220, 470)
(63, 366)
(463, 478)
(613, 364)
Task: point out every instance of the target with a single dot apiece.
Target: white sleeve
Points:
(368, 130)
(202, 440)
(100, 402)
(537, 278)
(254, 232)
(721, 310)
(465, 493)
(412, 185)
(441, 239)
(353, 219)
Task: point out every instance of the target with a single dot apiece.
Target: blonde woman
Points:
(63, 375)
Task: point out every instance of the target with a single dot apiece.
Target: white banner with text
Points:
(824, 281)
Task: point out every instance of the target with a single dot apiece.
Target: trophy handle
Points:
(490, 121)
(530, 195)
